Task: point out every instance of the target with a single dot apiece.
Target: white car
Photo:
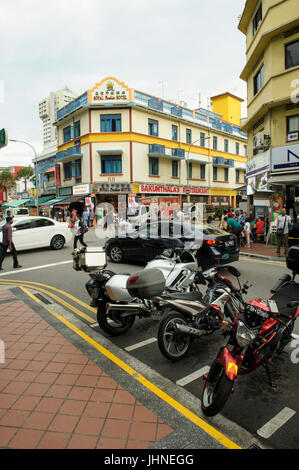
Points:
(37, 232)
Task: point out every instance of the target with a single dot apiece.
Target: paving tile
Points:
(97, 410)
(102, 395)
(144, 414)
(79, 359)
(8, 374)
(66, 379)
(146, 430)
(16, 387)
(26, 439)
(106, 382)
(82, 442)
(122, 396)
(73, 407)
(6, 434)
(55, 367)
(54, 440)
(7, 400)
(26, 403)
(80, 393)
(92, 370)
(73, 369)
(137, 444)
(47, 377)
(116, 428)
(63, 423)
(14, 418)
(163, 430)
(27, 376)
(121, 411)
(49, 405)
(37, 389)
(89, 426)
(37, 366)
(109, 443)
(58, 391)
(38, 420)
(86, 381)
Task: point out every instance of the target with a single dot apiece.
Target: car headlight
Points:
(244, 335)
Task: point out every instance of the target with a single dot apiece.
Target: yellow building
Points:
(116, 140)
(272, 75)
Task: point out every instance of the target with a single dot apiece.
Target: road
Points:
(270, 416)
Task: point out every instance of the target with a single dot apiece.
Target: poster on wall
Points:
(250, 187)
(261, 182)
(277, 205)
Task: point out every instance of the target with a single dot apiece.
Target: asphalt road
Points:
(253, 405)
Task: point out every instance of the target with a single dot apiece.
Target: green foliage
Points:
(6, 179)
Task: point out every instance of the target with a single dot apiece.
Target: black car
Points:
(213, 246)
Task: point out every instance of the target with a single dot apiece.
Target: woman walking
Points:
(79, 232)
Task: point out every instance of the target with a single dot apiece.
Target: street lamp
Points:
(35, 160)
(194, 142)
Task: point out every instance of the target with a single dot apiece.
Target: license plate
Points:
(230, 243)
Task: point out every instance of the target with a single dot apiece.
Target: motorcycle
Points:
(117, 309)
(187, 320)
(258, 334)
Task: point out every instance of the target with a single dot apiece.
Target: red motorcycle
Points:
(260, 332)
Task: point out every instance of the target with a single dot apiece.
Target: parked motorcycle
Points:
(258, 333)
(188, 319)
(117, 309)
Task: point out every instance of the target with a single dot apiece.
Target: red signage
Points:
(57, 175)
(166, 189)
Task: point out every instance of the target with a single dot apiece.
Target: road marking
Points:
(255, 260)
(195, 375)
(275, 423)
(35, 267)
(29, 293)
(217, 435)
(141, 344)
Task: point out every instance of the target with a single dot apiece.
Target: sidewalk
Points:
(261, 250)
(54, 394)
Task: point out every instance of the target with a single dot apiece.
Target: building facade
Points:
(114, 140)
(272, 75)
(48, 108)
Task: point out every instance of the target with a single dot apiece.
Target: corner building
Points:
(272, 75)
(115, 140)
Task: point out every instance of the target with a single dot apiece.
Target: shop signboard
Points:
(146, 188)
(110, 90)
(285, 158)
(80, 189)
(115, 188)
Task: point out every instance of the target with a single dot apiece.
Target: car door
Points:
(23, 235)
(44, 231)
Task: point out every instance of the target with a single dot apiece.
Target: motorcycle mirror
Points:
(234, 271)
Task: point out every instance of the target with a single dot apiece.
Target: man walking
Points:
(283, 223)
(85, 217)
(7, 243)
(234, 227)
(79, 232)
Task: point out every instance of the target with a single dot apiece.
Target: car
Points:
(213, 246)
(17, 211)
(38, 232)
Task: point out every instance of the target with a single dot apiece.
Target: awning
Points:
(290, 178)
(41, 200)
(50, 170)
(66, 200)
(56, 200)
(15, 203)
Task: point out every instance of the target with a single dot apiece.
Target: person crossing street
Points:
(7, 243)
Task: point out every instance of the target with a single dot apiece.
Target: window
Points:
(215, 173)
(153, 127)
(245, 150)
(76, 129)
(67, 134)
(258, 80)
(43, 223)
(292, 54)
(292, 128)
(77, 168)
(202, 172)
(189, 170)
(237, 148)
(175, 168)
(67, 168)
(110, 122)
(174, 132)
(188, 136)
(225, 174)
(237, 176)
(202, 139)
(215, 143)
(257, 19)
(27, 224)
(111, 165)
(153, 166)
(226, 145)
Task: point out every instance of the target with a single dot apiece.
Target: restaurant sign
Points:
(110, 90)
(169, 189)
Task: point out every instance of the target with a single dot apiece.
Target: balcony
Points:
(176, 111)
(72, 106)
(74, 151)
(156, 150)
(179, 153)
(155, 104)
(221, 161)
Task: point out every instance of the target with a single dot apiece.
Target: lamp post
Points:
(35, 160)
(194, 142)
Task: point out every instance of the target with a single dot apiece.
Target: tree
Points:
(26, 173)
(7, 180)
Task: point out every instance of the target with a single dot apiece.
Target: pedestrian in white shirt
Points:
(247, 230)
(282, 232)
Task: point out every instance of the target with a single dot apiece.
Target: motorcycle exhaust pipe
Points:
(125, 307)
(188, 330)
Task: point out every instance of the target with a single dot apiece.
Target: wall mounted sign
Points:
(110, 90)
(285, 158)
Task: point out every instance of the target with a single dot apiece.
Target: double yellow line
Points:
(25, 285)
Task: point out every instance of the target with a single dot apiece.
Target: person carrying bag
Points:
(282, 232)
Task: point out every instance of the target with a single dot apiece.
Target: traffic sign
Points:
(3, 138)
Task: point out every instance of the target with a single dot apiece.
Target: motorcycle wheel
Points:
(217, 389)
(173, 345)
(113, 324)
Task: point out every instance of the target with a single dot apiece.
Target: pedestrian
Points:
(73, 217)
(67, 216)
(283, 224)
(230, 214)
(79, 232)
(260, 228)
(247, 230)
(7, 243)
(85, 217)
(222, 221)
(235, 227)
(241, 218)
(91, 218)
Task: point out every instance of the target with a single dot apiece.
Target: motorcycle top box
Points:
(146, 284)
(89, 259)
(293, 259)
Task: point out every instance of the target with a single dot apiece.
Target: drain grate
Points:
(254, 446)
(42, 298)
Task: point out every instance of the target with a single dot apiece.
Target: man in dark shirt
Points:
(7, 243)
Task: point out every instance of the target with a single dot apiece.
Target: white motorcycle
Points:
(117, 309)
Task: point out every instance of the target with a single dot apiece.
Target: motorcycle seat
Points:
(193, 296)
(283, 297)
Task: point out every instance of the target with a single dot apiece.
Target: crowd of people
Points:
(246, 229)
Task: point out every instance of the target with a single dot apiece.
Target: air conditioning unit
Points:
(261, 141)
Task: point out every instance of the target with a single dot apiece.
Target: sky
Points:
(176, 49)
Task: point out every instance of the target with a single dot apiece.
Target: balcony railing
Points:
(180, 153)
(74, 151)
(72, 106)
(156, 149)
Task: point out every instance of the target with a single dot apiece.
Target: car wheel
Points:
(57, 242)
(116, 254)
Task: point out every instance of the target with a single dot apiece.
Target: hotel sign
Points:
(110, 90)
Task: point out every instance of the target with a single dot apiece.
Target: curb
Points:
(264, 257)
